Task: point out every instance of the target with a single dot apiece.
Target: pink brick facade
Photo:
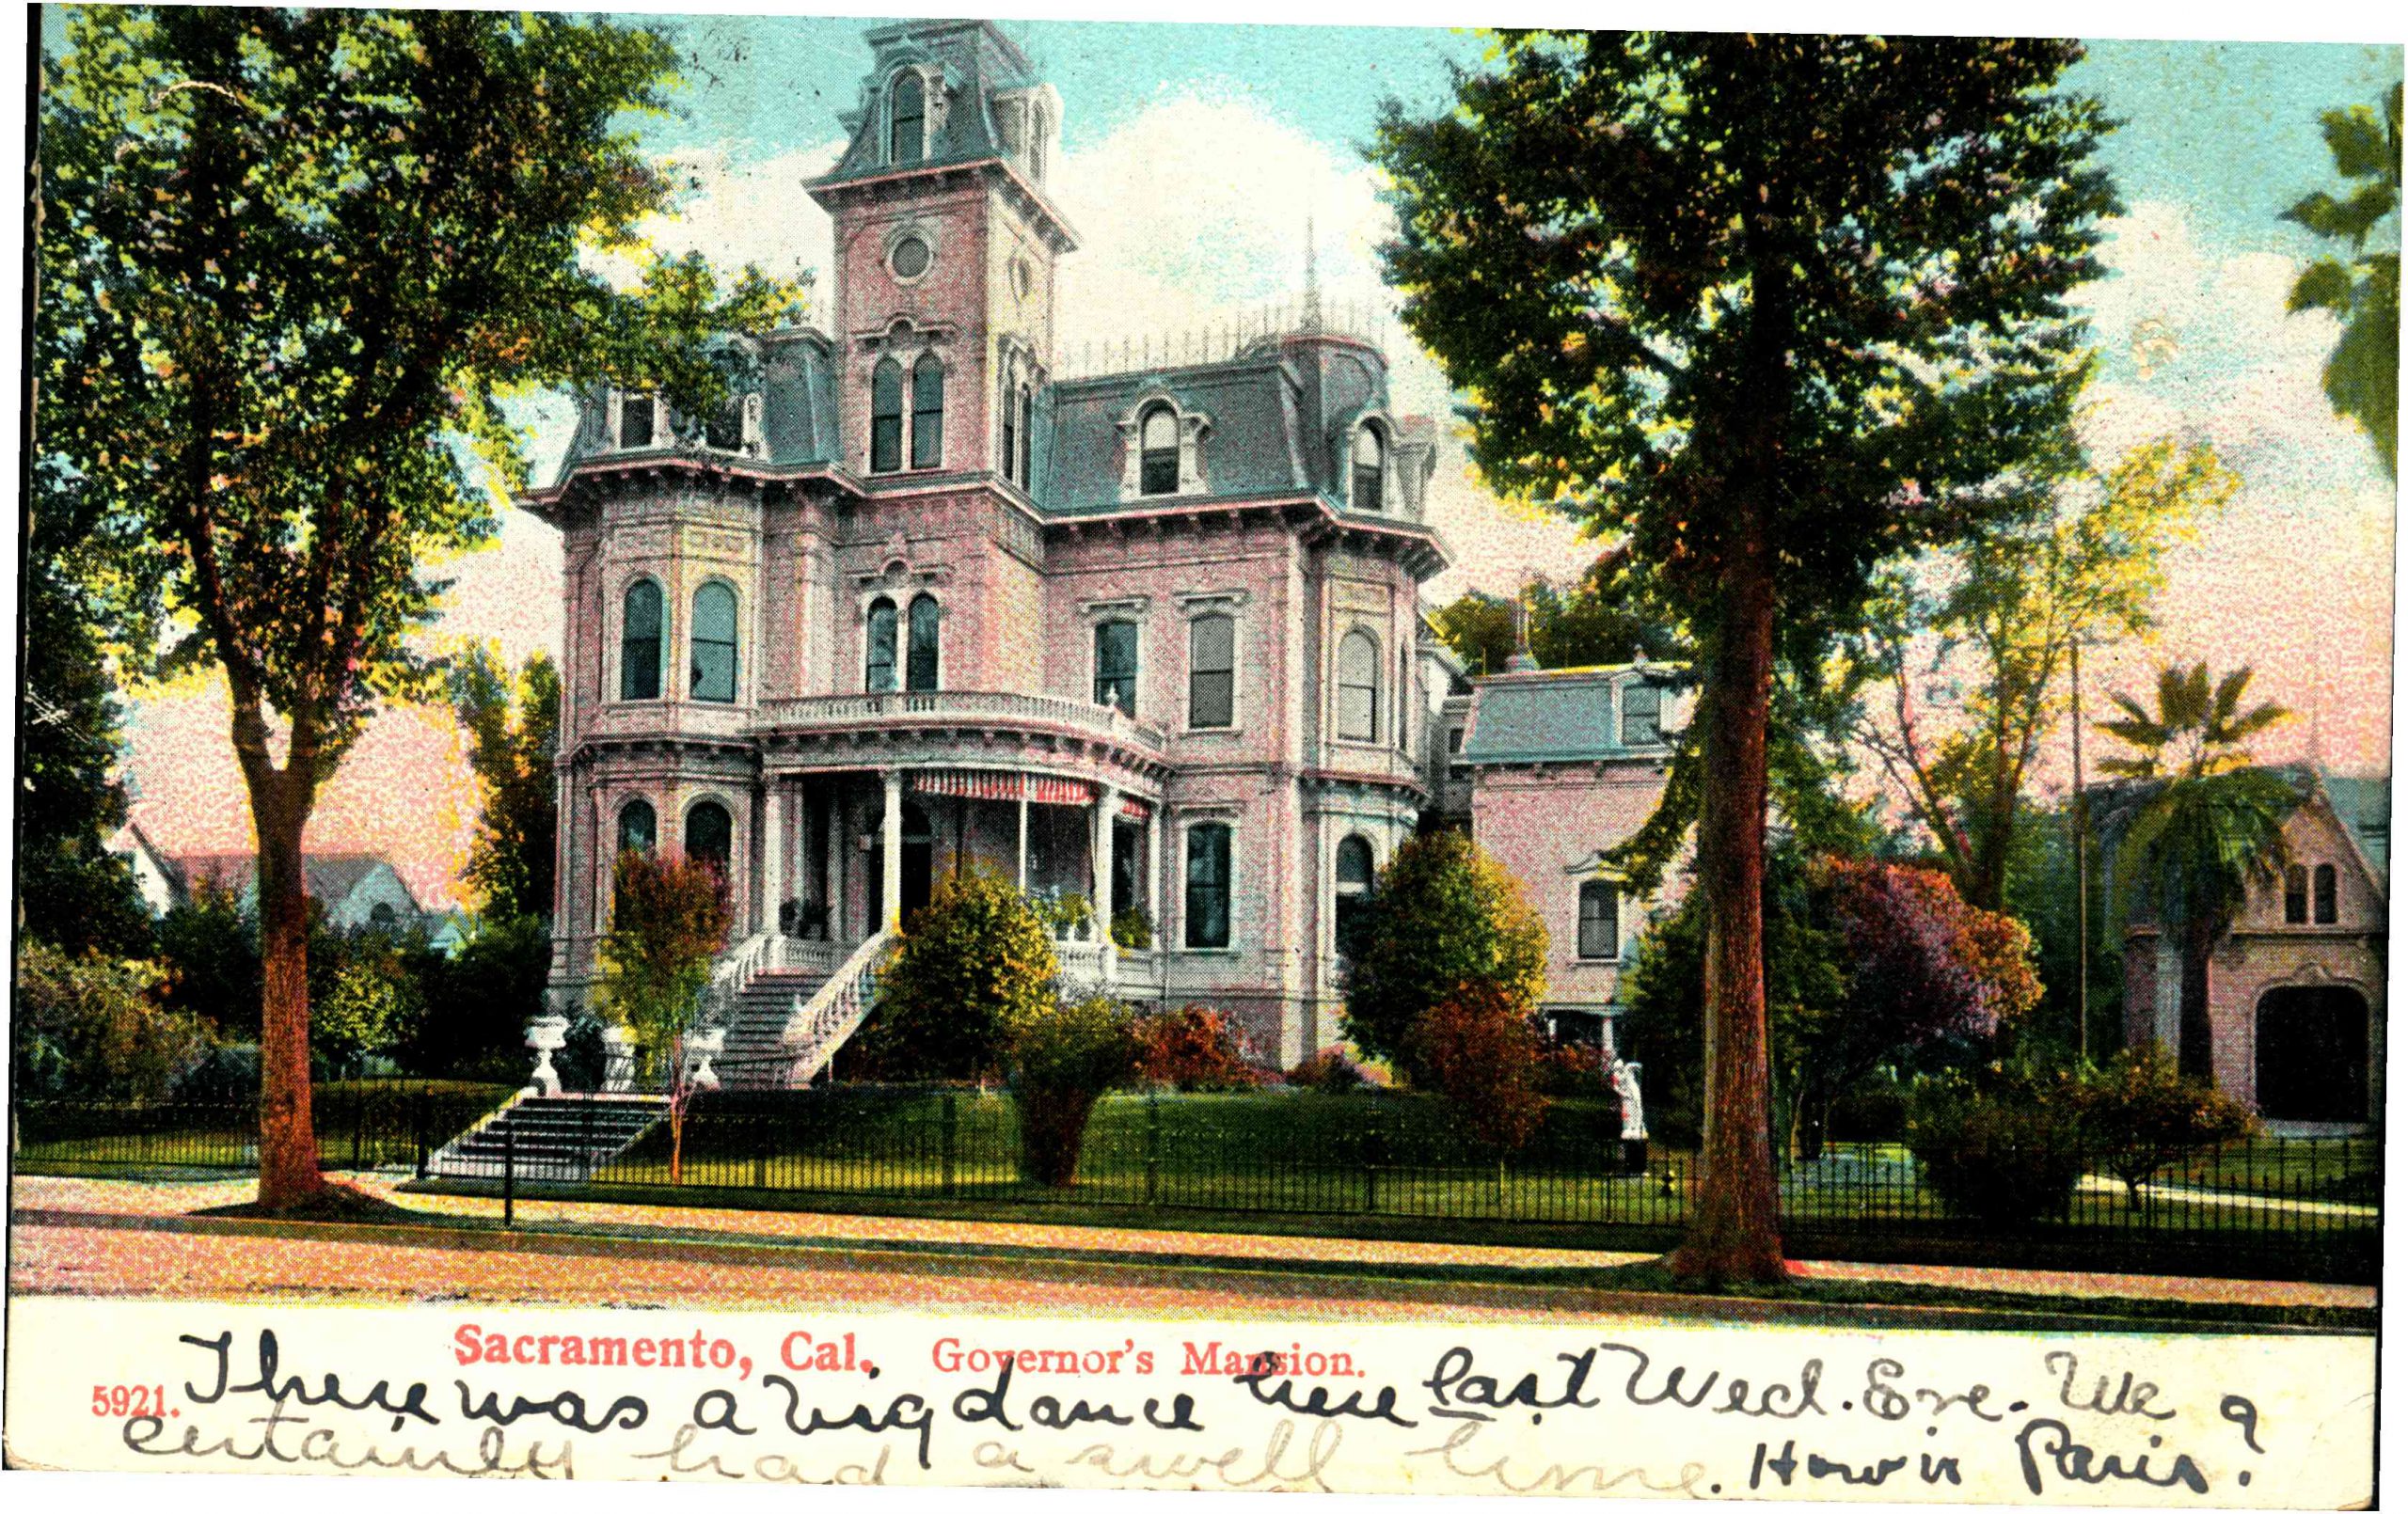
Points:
(2296, 1001)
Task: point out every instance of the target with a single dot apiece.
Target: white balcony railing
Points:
(968, 706)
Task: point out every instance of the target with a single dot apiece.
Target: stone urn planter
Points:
(700, 1047)
(546, 1035)
(618, 1059)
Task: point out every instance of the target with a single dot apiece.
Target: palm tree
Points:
(2362, 378)
(2195, 825)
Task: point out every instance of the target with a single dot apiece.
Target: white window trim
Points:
(743, 662)
(1384, 427)
(1194, 427)
(1194, 608)
(1130, 612)
(735, 829)
(618, 417)
(932, 114)
(1345, 632)
(1622, 900)
(616, 645)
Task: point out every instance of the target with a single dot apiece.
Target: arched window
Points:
(1212, 672)
(1358, 687)
(2328, 894)
(879, 677)
(640, 641)
(1010, 465)
(1600, 921)
(920, 677)
(907, 131)
(710, 836)
(1115, 665)
(927, 412)
(2295, 896)
(1027, 435)
(381, 916)
(1354, 892)
(638, 826)
(886, 416)
(712, 641)
(1642, 715)
(1370, 466)
(1157, 451)
(1207, 913)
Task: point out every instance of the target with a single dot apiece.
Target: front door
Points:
(919, 864)
(2312, 1049)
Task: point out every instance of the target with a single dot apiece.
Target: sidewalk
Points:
(52, 1200)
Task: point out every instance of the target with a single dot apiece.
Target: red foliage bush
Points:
(1480, 1051)
(1575, 1072)
(1193, 1049)
(1329, 1071)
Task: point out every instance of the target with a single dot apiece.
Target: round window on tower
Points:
(1021, 278)
(909, 258)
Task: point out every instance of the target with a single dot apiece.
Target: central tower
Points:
(944, 252)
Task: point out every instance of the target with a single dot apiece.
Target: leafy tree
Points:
(514, 731)
(1444, 916)
(1774, 307)
(1590, 622)
(71, 891)
(668, 918)
(211, 951)
(477, 1001)
(93, 1027)
(2362, 378)
(374, 1006)
(975, 960)
(2194, 828)
(1986, 649)
(1062, 1057)
(2142, 1115)
(288, 262)
(1478, 1048)
(1999, 1145)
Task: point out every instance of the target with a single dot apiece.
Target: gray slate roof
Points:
(1566, 715)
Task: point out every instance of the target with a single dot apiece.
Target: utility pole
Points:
(2081, 873)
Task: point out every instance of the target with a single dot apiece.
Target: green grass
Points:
(65, 1136)
(1308, 1154)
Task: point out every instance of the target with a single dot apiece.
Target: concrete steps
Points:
(756, 1055)
(560, 1138)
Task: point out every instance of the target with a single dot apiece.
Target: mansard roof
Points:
(1559, 715)
(978, 63)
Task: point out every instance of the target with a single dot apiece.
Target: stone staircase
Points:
(756, 1055)
(562, 1138)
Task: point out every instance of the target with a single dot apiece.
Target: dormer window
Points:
(639, 421)
(906, 117)
(735, 426)
(1642, 715)
(1370, 468)
(1157, 451)
(1037, 130)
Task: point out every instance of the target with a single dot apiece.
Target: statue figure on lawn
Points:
(1633, 1116)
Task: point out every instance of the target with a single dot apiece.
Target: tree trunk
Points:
(288, 1132)
(2196, 1054)
(1735, 1233)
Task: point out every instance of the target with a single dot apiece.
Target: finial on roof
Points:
(1638, 657)
(1312, 278)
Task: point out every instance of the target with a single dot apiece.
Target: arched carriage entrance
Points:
(2312, 1053)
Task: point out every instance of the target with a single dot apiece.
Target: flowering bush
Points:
(1193, 1049)
(1575, 1072)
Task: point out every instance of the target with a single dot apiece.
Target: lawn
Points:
(361, 1123)
(1397, 1155)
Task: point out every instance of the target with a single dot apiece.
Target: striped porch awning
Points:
(975, 783)
(1135, 808)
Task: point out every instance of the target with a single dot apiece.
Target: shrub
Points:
(976, 959)
(2142, 1115)
(1327, 1071)
(1477, 1047)
(1193, 1049)
(1574, 1072)
(374, 1006)
(91, 1027)
(2005, 1151)
(1874, 1110)
(477, 1004)
(1133, 929)
(1063, 1057)
(1065, 916)
(1445, 914)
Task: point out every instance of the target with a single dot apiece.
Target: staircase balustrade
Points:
(825, 1021)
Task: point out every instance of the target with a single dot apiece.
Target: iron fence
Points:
(359, 1128)
(1356, 1157)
